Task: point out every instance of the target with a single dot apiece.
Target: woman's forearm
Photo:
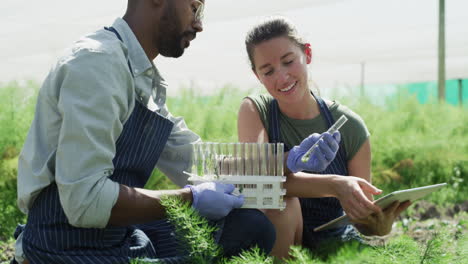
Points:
(350, 191)
(307, 185)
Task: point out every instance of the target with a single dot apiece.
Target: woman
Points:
(289, 114)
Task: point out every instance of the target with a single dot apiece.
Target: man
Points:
(100, 127)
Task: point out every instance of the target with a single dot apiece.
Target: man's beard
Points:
(170, 40)
(171, 44)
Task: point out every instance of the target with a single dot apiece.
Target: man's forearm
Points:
(136, 206)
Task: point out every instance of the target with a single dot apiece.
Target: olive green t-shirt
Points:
(353, 133)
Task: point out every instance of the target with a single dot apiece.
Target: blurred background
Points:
(371, 47)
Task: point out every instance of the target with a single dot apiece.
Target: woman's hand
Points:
(351, 191)
(380, 223)
(320, 158)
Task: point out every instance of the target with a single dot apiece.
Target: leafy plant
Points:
(193, 230)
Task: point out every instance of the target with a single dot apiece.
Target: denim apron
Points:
(49, 238)
(317, 211)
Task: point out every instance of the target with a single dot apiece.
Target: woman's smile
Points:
(288, 89)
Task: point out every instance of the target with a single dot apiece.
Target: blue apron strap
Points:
(113, 30)
(341, 155)
(274, 131)
(275, 135)
(273, 121)
(324, 110)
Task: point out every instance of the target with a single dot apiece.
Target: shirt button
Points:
(136, 71)
(149, 73)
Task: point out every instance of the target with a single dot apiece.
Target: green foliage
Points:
(253, 256)
(402, 250)
(212, 117)
(415, 145)
(192, 229)
(159, 181)
(17, 102)
(302, 255)
(10, 215)
(461, 253)
(6, 250)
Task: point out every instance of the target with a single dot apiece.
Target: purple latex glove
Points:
(214, 200)
(320, 158)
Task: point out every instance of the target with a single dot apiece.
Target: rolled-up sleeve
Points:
(94, 101)
(177, 154)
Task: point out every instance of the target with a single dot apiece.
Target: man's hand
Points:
(214, 200)
(380, 223)
(351, 191)
(320, 158)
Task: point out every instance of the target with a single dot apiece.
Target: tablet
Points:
(383, 202)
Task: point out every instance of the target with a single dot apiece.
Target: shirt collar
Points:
(137, 56)
(141, 64)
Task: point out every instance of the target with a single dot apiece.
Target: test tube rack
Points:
(255, 169)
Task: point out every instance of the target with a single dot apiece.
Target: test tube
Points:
(263, 159)
(271, 159)
(256, 159)
(337, 125)
(209, 161)
(279, 159)
(226, 159)
(232, 156)
(240, 153)
(195, 159)
(201, 160)
(217, 159)
(248, 158)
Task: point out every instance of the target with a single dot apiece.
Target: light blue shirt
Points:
(81, 110)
